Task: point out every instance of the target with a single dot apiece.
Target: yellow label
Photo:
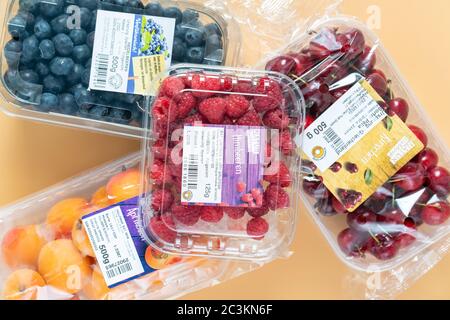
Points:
(371, 162)
(146, 74)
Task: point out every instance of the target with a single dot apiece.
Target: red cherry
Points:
(392, 217)
(302, 63)
(282, 64)
(338, 206)
(400, 107)
(407, 238)
(439, 180)
(339, 92)
(411, 177)
(420, 134)
(383, 246)
(308, 121)
(428, 158)
(380, 73)
(436, 214)
(352, 42)
(315, 189)
(367, 60)
(352, 243)
(378, 83)
(363, 220)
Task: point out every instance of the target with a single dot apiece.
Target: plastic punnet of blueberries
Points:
(48, 61)
(412, 206)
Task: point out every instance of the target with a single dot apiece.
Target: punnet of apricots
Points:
(54, 259)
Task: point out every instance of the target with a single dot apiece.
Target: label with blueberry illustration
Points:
(223, 165)
(130, 51)
(357, 146)
(120, 249)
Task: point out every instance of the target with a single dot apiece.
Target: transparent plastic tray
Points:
(25, 75)
(410, 212)
(247, 214)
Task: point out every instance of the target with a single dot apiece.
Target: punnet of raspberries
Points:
(383, 226)
(209, 98)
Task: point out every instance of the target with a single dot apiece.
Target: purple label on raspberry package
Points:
(223, 165)
(119, 247)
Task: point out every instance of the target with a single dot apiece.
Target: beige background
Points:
(417, 34)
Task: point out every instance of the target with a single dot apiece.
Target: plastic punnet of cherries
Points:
(199, 99)
(415, 196)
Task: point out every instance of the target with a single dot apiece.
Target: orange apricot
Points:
(100, 198)
(96, 288)
(22, 284)
(63, 215)
(81, 240)
(158, 260)
(63, 266)
(21, 245)
(124, 185)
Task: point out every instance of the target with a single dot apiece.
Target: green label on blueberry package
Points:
(130, 50)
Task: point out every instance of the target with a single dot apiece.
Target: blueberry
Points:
(120, 116)
(213, 42)
(29, 76)
(63, 44)
(216, 58)
(129, 98)
(47, 49)
(174, 12)
(98, 112)
(106, 96)
(12, 50)
(86, 76)
(17, 27)
(90, 40)
(49, 102)
(190, 15)
(81, 53)
(29, 5)
(51, 8)
(83, 96)
(135, 4)
(29, 18)
(195, 54)
(30, 48)
(26, 60)
(194, 37)
(179, 49)
(59, 24)
(75, 76)
(42, 29)
(53, 84)
(85, 17)
(88, 63)
(78, 36)
(122, 3)
(76, 88)
(42, 69)
(61, 66)
(154, 9)
(90, 4)
(67, 104)
(93, 21)
(213, 28)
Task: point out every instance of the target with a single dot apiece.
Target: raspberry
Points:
(213, 109)
(237, 106)
(276, 197)
(244, 87)
(159, 173)
(163, 227)
(227, 121)
(161, 200)
(211, 214)
(186, 103)
(226, 84)
(160, 149)
(240, 187)
(259, 212)
(205, 83)
(251, 118)
(234, 213)
(248, 198)
(194, 119)
(286, 143)
(257, 228)
(187, 215)
(172, 86)
(278, 173)
(276, 119)
(273, 96)
(164, 110)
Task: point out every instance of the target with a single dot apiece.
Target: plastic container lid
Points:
(221, 163)
(48, 53)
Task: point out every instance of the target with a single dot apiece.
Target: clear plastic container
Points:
(407, 215)
(40, 249)
(209, 38)
(232, 193)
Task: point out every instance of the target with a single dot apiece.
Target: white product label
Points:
(129, 51)
(402, 148)
(203, 150)
(113, 245)
(341, 127)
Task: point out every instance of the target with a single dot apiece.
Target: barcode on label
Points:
(193, 172)
(117, 271)
(333, 138)
(101, 70)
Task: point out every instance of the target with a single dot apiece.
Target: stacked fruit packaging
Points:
(374, 175)
(92, 64)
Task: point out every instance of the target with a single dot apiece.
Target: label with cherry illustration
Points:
(222, 164)
(357, 146)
